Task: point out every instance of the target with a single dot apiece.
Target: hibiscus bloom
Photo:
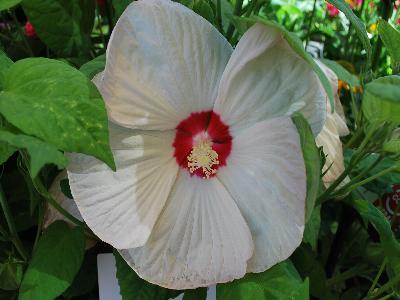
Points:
(329, 137)
(332, 10)
(210, 181)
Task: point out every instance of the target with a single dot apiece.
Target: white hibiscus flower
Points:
(329, 137)
(210, 181)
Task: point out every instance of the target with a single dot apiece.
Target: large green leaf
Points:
(6, 150)
(311, 159)
(11, 271)
(307, 264)
(120, 6)
(196, 294)
(294, 42)
(281, 282)
(381, 102)
(6, 4)
(392, 146)
(91, 68)
(341, 72)
(391, 40)
(359, 25)
(311, 231)
(5, 63)
(132, 287)
(64, 25)
(390, 245)
(55, 262)
(40, 152)
(57, 103)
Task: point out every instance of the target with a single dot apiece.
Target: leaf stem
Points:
(310, 23)
(219, 17)
(345, 275)
(374, 283)
(236, 12)
(11, 225)
(386, 286)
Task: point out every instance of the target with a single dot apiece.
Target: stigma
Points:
(203, 157)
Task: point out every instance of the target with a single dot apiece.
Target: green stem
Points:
(386, 10)
(219, 17)
(49, 198)
(395, 280)
(310, 23)
(362, 182)
(236, 12)
(39, 186)
(21, 33)
(344, 276)
(374, 283)
(11, 225)
(40, 223)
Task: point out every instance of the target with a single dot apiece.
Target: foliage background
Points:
(49, 51)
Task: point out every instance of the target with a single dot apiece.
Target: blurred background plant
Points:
(350, 248)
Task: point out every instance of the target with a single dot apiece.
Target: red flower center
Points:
(202, 143)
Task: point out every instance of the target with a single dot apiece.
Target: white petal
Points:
(163, 62)
(122, 207)
(265, 78)
(338, 114)
(265, 175)
(329, 137)
(200, 239)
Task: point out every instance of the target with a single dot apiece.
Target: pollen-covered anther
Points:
(203, 157)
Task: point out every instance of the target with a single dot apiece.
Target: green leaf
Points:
(226, 12)
(91, 68)
(308, 265)
(55, 262)
(359, 25)
(40, 152)
(295, 43)
(86, 279)
(392, 146)
(6, 4)
(6, 150)
(5, 63)
(203, 8)
(64, 26)
(132, 287)
(280, 282)
(311, 231)
(11, 272)
(311, 160)
(120, 6)
(65, 189)
(57, 103)
(390, 245)
(341, 72)
(391, 39)
(196, 294)
(381, 102)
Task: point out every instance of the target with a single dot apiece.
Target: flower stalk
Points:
(11, 225)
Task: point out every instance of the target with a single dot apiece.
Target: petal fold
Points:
(122, 207)
(163, 63)
(265, 175)
(265, 78)
(200, 239)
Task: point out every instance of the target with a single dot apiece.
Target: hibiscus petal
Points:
(122, 207)
(265, 175)
(163, 62)
(200, 239)
(265, 78)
